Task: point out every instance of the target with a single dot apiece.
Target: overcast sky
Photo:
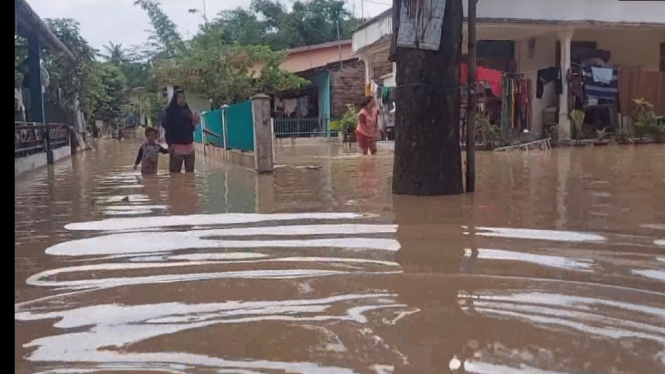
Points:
(120, 21)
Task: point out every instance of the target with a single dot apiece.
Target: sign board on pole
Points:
(420, 24)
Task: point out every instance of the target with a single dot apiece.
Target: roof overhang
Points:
(28, 22)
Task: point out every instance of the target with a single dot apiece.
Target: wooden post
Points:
(428, 158)
(471, 102)
(261, 115)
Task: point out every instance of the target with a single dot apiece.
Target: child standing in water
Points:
(367, 130)
(149, 153)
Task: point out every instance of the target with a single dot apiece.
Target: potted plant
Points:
(623, 137)
(645, 120)
(601, 138)
(577, 116)
(347, 125)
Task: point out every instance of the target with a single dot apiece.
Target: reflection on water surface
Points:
(555, 265)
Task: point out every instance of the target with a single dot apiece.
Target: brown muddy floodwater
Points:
(555, 265)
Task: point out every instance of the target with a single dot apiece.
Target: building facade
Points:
(544, 34)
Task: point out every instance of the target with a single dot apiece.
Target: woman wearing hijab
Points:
(179, 126)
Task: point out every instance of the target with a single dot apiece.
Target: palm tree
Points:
(115, 53)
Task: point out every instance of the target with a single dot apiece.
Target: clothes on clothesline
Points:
(545, 76)
(602, 75)
(385, 95)
(303, 105)
(490, 76)
(290, 106)
(516, 110)
(600, 91)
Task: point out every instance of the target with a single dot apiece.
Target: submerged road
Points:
(555, 265)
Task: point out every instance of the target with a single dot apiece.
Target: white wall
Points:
(613, 11)
(373, 32)
(197, 102)
(565, 11)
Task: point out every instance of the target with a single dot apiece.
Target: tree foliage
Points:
(115, 53)
(221, 71)
(270, 23)
(165, 39)
(112, 83)
(225, 73)
(67, 78)
(218, 62)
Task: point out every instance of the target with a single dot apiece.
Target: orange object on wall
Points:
(368, 89)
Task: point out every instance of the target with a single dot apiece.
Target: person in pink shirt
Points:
(367, 130)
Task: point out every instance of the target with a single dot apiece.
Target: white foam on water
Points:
(201, 219)
(174, 278)
(544, 260)
(149, 242)
(217, 256)
(113, 325)
(549, 235)
(658, 275)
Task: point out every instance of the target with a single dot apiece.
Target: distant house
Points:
(336, 79)
(529, 36)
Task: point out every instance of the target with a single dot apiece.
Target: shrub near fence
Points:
(240, 126)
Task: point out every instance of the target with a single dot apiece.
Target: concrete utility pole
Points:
(428, 158)
(471, 108)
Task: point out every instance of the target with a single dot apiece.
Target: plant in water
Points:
(645, 119)
(622, 136)
(601, 134)
(490, 132)
(349, 120)
(577, 116)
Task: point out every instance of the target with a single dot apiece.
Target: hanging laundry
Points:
(385, 95)
(290, 106)
(602, 75)
(545, 76)
(278, 104)
(490, 76)
(598, 90)
(303, 105)
(505, 105)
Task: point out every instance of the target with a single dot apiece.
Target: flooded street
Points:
(555, 265)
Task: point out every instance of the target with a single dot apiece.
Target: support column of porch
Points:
(369, 72)
(564, 126)
(36, 95)
(35, 74)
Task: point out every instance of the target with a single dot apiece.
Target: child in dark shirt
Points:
(149, 153)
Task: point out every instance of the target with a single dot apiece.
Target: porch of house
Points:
(303, 112)
(635, 49)
(38, 141)
(536, 45)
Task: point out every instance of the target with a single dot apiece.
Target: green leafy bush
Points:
(349, 120)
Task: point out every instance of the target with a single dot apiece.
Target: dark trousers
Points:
(176, 161)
